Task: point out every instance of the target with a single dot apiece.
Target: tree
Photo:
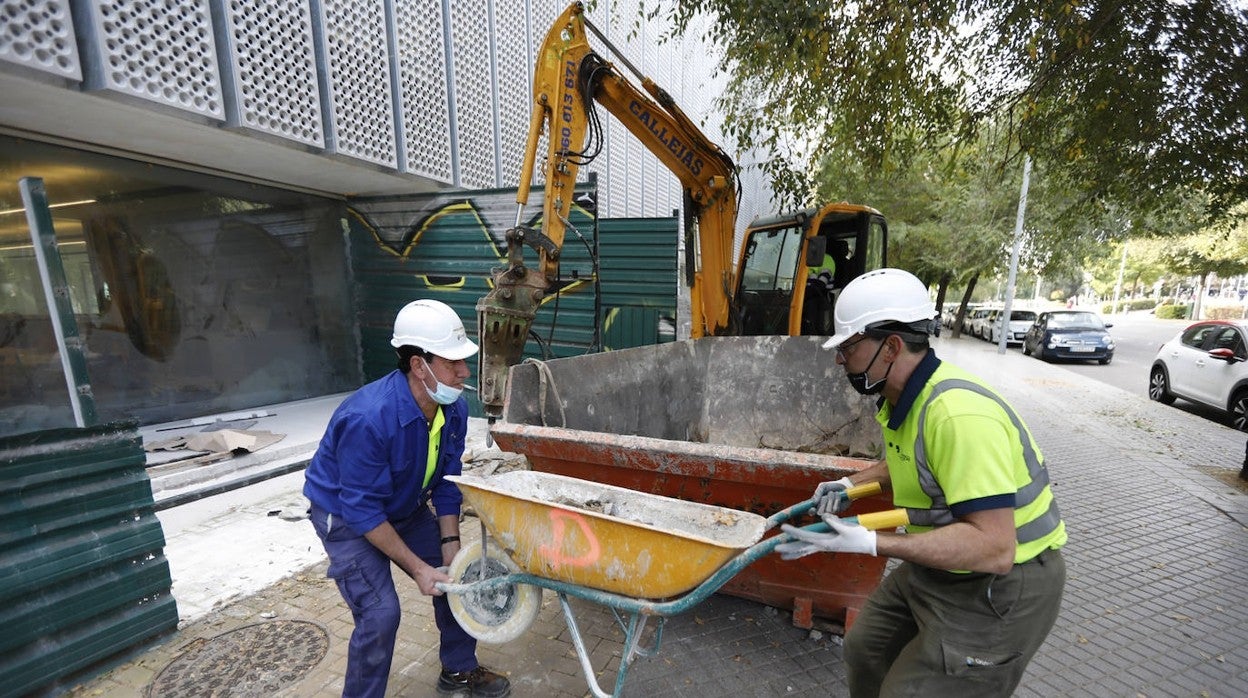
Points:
(952, 213)
(1145, 266)
(1213, 251)
(1124, 100)
(1221, 250)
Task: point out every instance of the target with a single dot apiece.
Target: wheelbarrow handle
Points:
(803, 507)
(866, 489)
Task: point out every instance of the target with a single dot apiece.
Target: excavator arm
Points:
(568, 78)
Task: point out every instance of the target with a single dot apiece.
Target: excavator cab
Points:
(794, 266)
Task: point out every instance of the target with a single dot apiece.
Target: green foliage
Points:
(1057, 295)
(1224, 312)
(1145, 264)
(1129, 304)
(1124, 102)
(1219, 249)
(950, 214)
(1174, 312)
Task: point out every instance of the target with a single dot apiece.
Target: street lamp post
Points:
(1003, 341)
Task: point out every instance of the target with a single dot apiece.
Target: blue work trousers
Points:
(363, 576)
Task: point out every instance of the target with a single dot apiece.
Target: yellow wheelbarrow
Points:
(639, 554)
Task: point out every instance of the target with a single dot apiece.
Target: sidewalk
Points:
(1155, 603)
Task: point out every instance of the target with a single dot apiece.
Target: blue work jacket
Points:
(370, 465)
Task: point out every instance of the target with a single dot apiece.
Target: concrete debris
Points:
(491, 461)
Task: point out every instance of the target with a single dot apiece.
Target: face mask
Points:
(858, 381)
(443, 394)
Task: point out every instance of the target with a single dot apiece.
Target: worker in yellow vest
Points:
(982, 575)
(825, 272)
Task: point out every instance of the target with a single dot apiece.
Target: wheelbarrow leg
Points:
(582, 654)
(638, 622)
(632, 637)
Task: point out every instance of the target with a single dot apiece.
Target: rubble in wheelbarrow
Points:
(596, 505)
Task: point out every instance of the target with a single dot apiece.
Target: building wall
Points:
(165, 130)
(338, 96)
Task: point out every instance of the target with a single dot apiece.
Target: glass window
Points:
(1195, 336)
(193, 294)
(1228, 338)
(876, 241)
(1071, 321)
(771, 260)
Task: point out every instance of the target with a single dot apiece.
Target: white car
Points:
(1020, 320)
(1205, 363)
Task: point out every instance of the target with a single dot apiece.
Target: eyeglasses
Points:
(845, 350)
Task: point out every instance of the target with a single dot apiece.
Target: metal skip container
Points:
(747, 423)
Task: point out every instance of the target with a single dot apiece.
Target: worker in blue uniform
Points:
(981, 577)
(379, 496)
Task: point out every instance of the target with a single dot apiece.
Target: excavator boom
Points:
(569, 77)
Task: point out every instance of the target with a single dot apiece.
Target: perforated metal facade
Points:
(269, 68)
(39, 36)
(357, 74)
(438, 91)
(471, 31)
(513, 49)
(161, 51)
(425, 111)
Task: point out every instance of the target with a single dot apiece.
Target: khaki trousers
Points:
(927, 632)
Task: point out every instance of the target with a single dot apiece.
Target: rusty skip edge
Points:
(669, 456)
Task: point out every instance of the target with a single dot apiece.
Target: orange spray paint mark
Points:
(553, 550)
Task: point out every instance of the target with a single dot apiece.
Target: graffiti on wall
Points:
(454, 246)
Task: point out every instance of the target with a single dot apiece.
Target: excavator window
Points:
(771, 263)
(877, 240)
(767, 280)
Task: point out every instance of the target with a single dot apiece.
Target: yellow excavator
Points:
(770, 290)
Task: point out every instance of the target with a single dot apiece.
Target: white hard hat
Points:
(432, 326)
(880, 297)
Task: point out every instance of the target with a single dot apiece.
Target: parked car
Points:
(1020, 320)
(970, 318)
(983, 323)
(948, 314)
(1205, 363)
(1069, 334)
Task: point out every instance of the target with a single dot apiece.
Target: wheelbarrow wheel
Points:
(495, 615)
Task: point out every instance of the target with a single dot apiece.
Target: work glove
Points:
(843, 538)
(830, 497)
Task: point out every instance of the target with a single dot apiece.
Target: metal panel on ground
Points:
(83, 576)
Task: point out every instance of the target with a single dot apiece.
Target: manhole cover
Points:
(254, 660)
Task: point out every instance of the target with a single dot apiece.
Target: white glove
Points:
(843, 538)
(830, 497)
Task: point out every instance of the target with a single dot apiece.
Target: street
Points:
(1137, 337)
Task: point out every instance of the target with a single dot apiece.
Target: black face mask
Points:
(858, 381)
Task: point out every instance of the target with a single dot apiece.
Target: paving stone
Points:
(1155, 603)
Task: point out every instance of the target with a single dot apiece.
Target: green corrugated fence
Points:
(444, 246)
(83, 576)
